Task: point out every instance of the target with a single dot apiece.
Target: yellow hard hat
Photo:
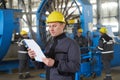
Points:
(80, 30)
(55, 16)
(23, 32)
(71, 21)
(103, 30)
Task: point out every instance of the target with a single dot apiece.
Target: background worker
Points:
(63, 53)
(106, 47)
(82, 41)
(23, 56)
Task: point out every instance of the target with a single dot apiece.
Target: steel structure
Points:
(9, 21)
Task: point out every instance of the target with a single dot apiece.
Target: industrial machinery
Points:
(9, 35)
(9, 21)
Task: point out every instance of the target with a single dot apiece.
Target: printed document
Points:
(34, 46)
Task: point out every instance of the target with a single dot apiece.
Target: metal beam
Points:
(118, 17)
(99, 12)
(10, 3)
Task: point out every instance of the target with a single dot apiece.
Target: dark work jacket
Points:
(22, 49)
(66, 53)
(105, 45)
(83, 43)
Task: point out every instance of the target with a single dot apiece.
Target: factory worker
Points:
(82, 41)
(23, 57)
(106, 47)
(63, 53)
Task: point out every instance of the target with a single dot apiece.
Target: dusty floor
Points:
(14, 75)
(36, 73)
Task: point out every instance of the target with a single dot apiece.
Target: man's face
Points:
(55, 28)
(25, 36)
(79, 34)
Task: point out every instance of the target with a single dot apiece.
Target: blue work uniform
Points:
(66, 54)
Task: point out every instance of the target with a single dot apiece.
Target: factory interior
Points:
(30, 15)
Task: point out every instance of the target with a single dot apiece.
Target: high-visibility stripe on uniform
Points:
(107, 52)
(108, 74)
(25, 52)
(100, 48)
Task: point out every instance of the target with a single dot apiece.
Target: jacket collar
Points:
(59, 36)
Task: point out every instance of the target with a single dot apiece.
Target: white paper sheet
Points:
(34, 46)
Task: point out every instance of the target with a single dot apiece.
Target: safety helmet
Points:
(80, 30)
(103, 30)
(23, 32)
(71, 21)
(55, 16)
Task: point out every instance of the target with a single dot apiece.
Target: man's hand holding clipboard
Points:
(34, 49)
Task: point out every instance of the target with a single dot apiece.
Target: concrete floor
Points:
(14, 75)
(36, 73)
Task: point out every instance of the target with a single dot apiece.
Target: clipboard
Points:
(34, 46)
